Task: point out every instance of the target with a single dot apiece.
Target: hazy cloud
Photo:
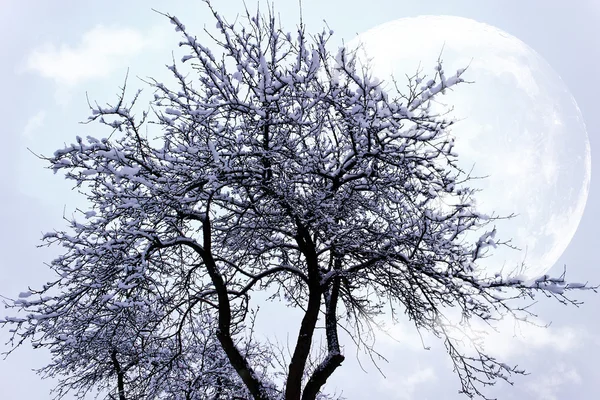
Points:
(402, 334)
(518, 338)
(513, 337)
(546, 387)
(405, 388)
(101, 51)
(34, 123)
(510, 338)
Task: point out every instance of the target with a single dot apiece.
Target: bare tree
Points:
(278, 167)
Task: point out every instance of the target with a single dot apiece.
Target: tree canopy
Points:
(279, 167)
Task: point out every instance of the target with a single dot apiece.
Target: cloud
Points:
(405, 388)
(511, 337)
(516, 338)
(34, 123)
(101, 51)
(402, 334)
(546, 387)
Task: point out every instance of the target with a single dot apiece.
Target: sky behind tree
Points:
(56, 52)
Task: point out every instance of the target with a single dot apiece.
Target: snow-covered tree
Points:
(281, 167)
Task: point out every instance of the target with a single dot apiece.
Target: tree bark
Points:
(334, 357)
(120, 377)
(237, 360)
(309, 321)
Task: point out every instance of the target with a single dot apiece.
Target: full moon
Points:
(517, 125)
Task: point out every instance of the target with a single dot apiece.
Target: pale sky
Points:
(53, 52)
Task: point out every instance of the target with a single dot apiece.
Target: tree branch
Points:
(309, 321)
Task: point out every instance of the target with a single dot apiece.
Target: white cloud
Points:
(401, 333)
(546, 387)
(405, 388)
(34, 123)
(101, 51)
(516, 338)
(511, 337)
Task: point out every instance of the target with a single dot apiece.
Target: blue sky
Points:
(53, 53)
